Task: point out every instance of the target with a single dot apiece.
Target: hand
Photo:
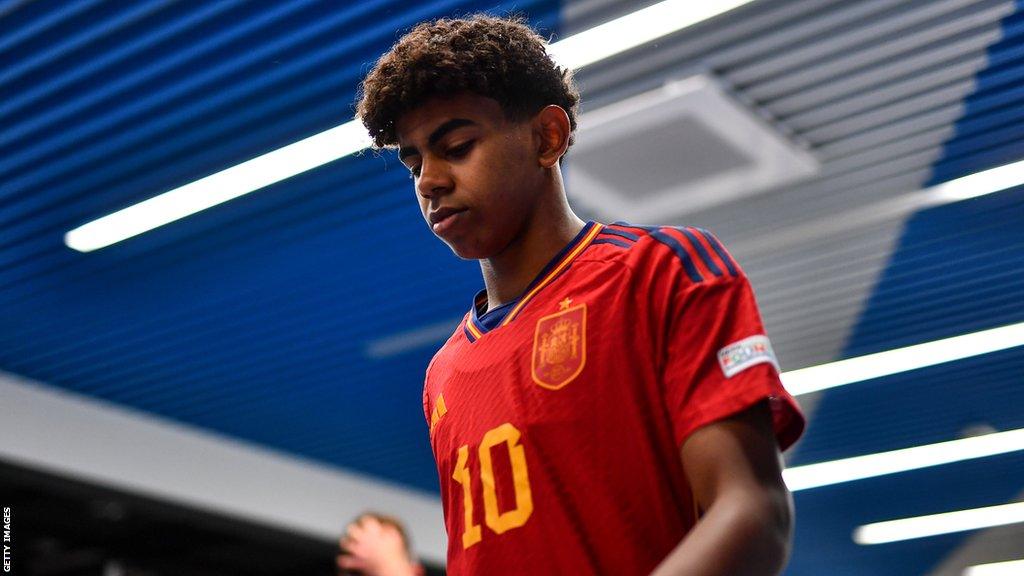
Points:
(374, 548)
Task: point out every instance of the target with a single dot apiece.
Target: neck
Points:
(548, 229)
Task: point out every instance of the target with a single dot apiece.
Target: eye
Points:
(460, 150)
(414, 172)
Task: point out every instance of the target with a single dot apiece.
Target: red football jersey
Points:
(556, 420)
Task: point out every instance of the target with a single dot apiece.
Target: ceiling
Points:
(300, 318)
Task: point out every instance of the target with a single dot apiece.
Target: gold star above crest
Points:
(565, 303)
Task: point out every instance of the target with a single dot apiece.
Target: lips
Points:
(436, 216)
(442, 219)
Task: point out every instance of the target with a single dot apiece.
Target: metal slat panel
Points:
(631, 73)
(926, 141)
(1004, 152)
(820, 23)
(298, 218)
(820, 272)
(785, 102)
(36, 93)
(825, 256)
(916, 141)
(888, 94)
(952, 94)
(886, 51)
(303, 215)
(819, 218)
(206, 324)
(816, 295)
(858, 142)
(837, 185)
(97, 30)
(999, 129)
(113, 116)
(911, 152)
(23, 32)
(865, 32)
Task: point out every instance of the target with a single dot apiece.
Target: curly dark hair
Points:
(499, 58)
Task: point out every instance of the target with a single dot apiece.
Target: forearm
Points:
(738, 536)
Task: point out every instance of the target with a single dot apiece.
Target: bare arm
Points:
(735, 469)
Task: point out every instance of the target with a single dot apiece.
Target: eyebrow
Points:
(438, 133)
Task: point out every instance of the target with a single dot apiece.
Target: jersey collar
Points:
(481, 322)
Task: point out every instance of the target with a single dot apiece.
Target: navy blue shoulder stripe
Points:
(691, 235)
(684, 256)
(720, 250)
(701, 251)
(619, 233)
(618, 243)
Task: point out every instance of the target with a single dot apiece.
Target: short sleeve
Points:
(426, 407)
(719, 361)
(426, 393)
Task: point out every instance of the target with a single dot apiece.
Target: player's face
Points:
(476, 173)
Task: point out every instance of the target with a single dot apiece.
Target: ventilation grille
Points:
(682, 147)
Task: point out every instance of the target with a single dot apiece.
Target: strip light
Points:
(218, 188)
(842, 372)
(860, 467)
(1011, 568)
(936, 524)
(981, 183)
(634, 29)
(576, 51)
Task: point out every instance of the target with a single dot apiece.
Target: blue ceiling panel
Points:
(991, 130)
(958, 268)
(827, 516)
(923, 406)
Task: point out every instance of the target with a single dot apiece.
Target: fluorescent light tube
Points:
(1011, 568)
(575, 51)
(871, 465)
(220, 187)
(981, 183)
(842, 372)
(936, 524)
(634, 29)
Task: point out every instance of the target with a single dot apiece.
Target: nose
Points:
(434, 178)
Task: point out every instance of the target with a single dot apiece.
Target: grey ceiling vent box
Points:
(686, 146)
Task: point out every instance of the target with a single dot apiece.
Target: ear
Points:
(551, 130)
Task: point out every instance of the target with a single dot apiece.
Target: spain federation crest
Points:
(560, 346)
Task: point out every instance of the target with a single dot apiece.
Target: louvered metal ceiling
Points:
(301, 317)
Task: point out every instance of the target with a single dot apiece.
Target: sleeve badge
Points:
(739, 356)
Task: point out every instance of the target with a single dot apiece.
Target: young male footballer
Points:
(610, 403)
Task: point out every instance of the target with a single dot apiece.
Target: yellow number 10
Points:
(500, 522)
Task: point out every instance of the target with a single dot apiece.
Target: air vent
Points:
(683, 147)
